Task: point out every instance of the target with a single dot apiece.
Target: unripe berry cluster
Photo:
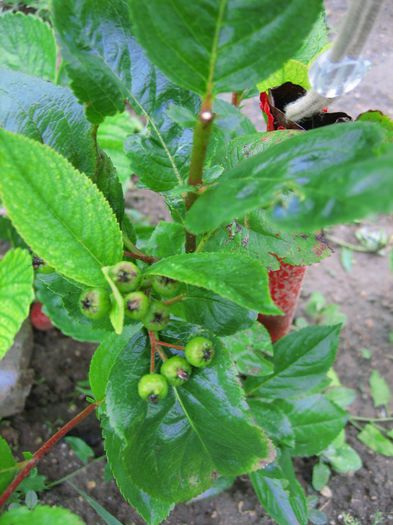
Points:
(141, 296)
(176, 370)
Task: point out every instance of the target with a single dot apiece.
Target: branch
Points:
(135, 253)
(170, 345)
(202, 132)
(46, 447)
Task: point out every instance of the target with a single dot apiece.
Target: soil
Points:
(366, 297)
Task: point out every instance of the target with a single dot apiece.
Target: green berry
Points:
(153, 387)
(94, 303)
(136, 305)
(199, 352)
(165, 286)
(126, 275)
(157, 316)
(40, 266)
(177, 370)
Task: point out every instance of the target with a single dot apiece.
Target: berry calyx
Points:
(165, 286)
(126, 276)
(136, 305)
(94, 303)
(177, 370)
(153, 387)
(157, 316)
(38, 319)
(40, 266)
(199, 352)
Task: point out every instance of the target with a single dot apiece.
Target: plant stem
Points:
(372, 419)
(161, 353)
(174, 300)
(152, 338)
(135, 253)
(202, 132)
(46, 447)
(170, 345)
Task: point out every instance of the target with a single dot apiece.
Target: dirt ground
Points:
(366, 297)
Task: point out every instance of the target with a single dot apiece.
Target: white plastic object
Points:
(333, 79)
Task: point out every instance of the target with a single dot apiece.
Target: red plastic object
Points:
(38, 319)
(285, 285)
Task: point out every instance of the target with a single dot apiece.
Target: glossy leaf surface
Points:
(183, 427)
(107, 67)
(315, 420)
(49, 114)
(330, 174)
(301, 361)
(222, 45)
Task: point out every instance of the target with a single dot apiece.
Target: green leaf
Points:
(64, 218)
(248, 349)
(104, 79)
(374, 439)
(295, 70)
(292, 71)
(116, 314)
(105, 357)
(378, 117)
(343, 459)
(111, 136)
(240, 148)
(301, 361)
(341, 396)
(16, 294)
(221, 45)
(330, 174)
(281, 495)
(60, 298)
(152, 510)
(196, 435)
(40, 515)
(213, 312)
(27, 45)
(320, 476)
(235, 277)
(316, 421)
(167, 239)
(273, 420)
(380, 390)
(261, 239)
(81, 448)
(231, 121)
(7, 464)
(49, 114)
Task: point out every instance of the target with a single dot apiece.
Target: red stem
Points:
(41, 452)
(142, 257)
(170, 345)
(152, 338)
